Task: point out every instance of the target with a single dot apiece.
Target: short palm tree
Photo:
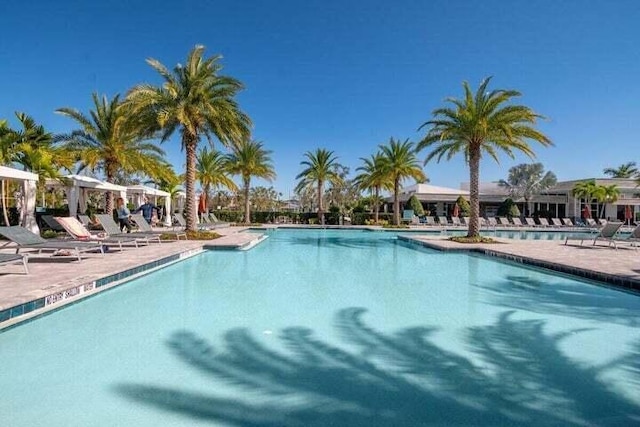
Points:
(587, 190)
(477, 125)
(212, 172)
(627, 170)
(319, 168)
(169, 182)
(36, 151)
(607, 194)
(199, 102)
(108, 141)
(374, 177)
(399, 162)
(250, 159)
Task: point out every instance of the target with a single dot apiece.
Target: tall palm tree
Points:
(212, 172)
(319, 168)
(199, 102)
(249, 159)
(527, 180)
(477, 125)
(626, 170)
(399, 162)
(374, 177)
(109, 142)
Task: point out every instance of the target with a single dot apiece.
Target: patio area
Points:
(54, 281)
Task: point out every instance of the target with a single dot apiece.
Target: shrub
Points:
(49, 234)
(464, 206)
(476, 239)
(201, 235)
(416, 205)
(509, 209)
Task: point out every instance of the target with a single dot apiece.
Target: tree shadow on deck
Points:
(558, 297)
(517, 376)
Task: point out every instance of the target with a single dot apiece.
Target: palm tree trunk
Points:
(320, 213)
(247, 204)
(376, 207)
(108, 201)
(474, 192)
(190, 143)
(4, 204)
(396, 201)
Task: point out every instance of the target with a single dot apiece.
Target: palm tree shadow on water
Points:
(518, 376)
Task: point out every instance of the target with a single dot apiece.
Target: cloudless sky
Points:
(346, 75)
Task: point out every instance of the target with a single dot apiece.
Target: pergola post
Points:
(28, 219)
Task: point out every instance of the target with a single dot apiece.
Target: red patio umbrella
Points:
(628, 214)
(586, 212)
(202, 203)
(456, 210)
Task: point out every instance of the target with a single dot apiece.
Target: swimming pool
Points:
(330, 327)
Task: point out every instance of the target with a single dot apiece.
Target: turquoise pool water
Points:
(318, 328)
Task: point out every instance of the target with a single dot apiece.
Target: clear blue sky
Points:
(347, 75)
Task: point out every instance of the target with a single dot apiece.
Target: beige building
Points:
(557, 201)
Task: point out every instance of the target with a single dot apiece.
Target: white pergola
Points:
(181, 198)
(136, 192)
(28, 205)
(77, 186)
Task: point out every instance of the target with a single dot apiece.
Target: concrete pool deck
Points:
(620, 268)
(54, 282)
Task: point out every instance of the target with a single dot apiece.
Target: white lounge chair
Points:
(113, 231)
(504, 221)
(556, 222)
(544, 222)
(633, 238)
(79, 232)
(25, 239)
(15, 259)
(607, 233)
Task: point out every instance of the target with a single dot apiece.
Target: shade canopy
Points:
(76, 187)
(17, 174)
(143, 189)
(83, 181)
(27, 204)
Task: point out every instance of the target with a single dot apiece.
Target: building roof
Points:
(11, 173)
(428, 189)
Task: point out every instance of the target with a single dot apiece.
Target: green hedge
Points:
(330, 218)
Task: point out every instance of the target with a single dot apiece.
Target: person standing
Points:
(147, 209)
(123, 215)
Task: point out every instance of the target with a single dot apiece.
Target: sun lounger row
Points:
(609, 233)
(498, 222)
(81, 239)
